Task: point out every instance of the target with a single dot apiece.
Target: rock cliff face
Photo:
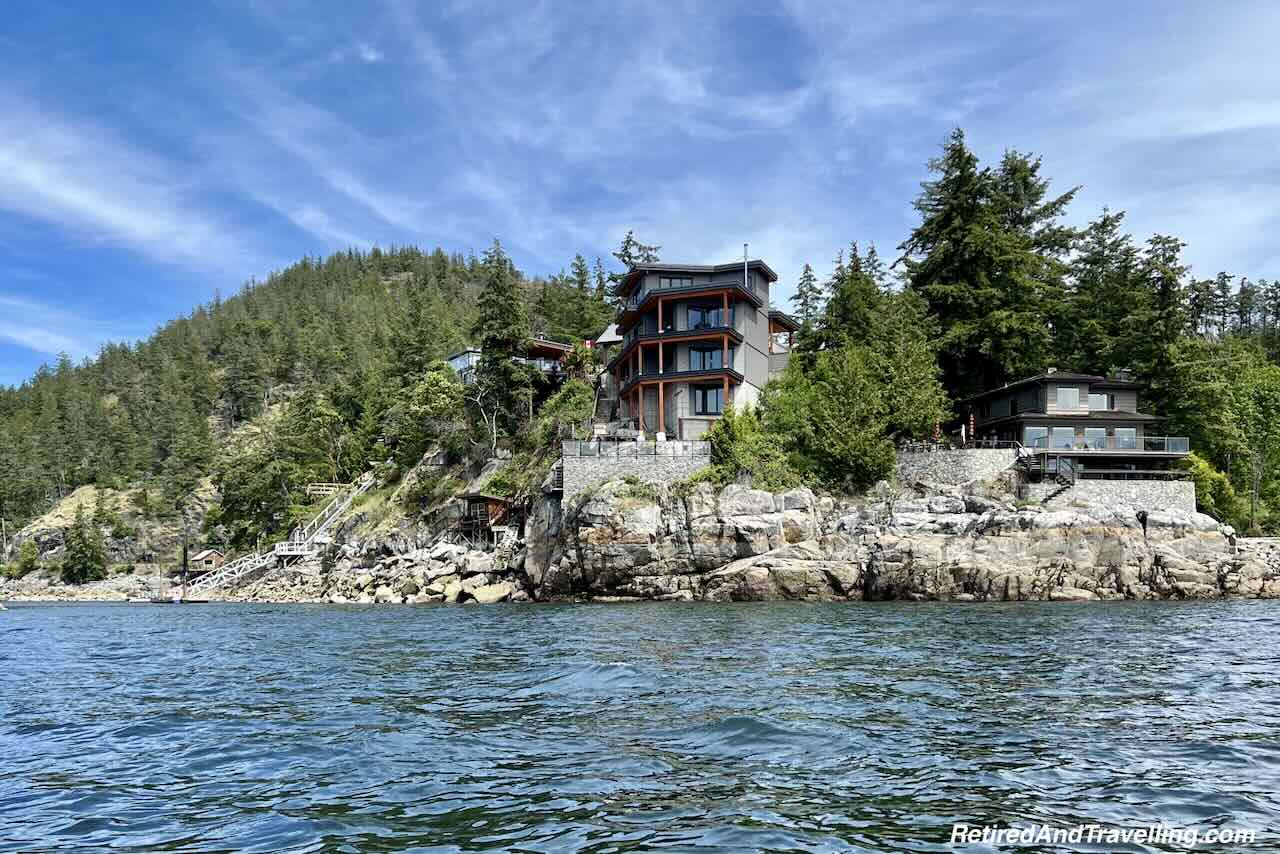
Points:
(624, 542)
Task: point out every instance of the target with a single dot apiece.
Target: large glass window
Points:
(1064, 437)
(665, 282)
(708, 400)
(708, 317)
(1068, 397)
(1101, 402)
(1035, 437)
(1126, 438)
(706, 358)
(1095, 437)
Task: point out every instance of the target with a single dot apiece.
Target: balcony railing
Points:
(637, 299)
(1140, 444)
(642, 331)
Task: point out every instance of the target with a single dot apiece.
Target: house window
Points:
(706, 358)
(1127, 438)
(1035, 437)
(665, 282)
(708, 400)
(708, 317)
(1095, 437)
(1102, 402)
(1068, 397)
(1064, 437)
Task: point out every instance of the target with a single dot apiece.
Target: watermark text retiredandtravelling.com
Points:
(1098, 834)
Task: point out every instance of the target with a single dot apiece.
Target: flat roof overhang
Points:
(710, 289)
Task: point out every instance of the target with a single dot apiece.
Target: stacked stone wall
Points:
(1146, 495)
(583, 472)
(953, 466)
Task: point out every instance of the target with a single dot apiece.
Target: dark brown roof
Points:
(783, 319)
(1056, 376)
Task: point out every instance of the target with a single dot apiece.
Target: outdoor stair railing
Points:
(302, 541)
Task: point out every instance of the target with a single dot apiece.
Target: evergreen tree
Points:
(807, 299)
(987, 257)
(1091, 323)
(580, 274)
(630, 253)
(85, 557)
(503, 387)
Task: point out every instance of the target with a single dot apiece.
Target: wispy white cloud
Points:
(85, 179)
(48, 331)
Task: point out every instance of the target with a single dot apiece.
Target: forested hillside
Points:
(334, 347)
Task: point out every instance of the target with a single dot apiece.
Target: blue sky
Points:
(151, 157)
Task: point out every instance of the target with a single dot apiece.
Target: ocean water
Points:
(778, 727)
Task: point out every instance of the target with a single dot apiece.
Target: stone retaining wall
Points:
(1139, 494)
(953, 466)
(582, 472)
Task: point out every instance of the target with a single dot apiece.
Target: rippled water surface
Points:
(796, 727)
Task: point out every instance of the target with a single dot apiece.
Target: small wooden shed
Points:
(207, 560)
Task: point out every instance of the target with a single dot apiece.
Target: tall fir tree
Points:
(987, 257)
(503, 387)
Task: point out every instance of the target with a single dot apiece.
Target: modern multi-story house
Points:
(1074, 425)
(541, 354)
(695, 339)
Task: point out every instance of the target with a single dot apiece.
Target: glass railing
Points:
(1144, 444)
(652, 331)
(633, 448)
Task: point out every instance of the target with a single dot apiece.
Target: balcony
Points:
(1139, 445)
(691, 333)
(651, 375)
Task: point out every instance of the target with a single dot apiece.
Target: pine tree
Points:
(855, 299)
(503, 387)
(85, 557)
(807, 298)
(581, 275)
(987, 258)
(630, 253)
(1092, 327)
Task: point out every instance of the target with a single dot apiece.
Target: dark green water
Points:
(787, 727)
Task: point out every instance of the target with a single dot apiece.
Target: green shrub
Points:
(28, 560)
(742, 448)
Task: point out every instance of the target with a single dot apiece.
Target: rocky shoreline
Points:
(631, 541)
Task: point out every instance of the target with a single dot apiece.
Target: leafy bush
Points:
(1215, 495)
(28, 559)
(742, 449)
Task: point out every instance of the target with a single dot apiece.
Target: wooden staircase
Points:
(303, 541)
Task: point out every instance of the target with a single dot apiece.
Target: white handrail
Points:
(302, 536)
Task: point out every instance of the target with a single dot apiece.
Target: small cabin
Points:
(486, 519)
(207, 560)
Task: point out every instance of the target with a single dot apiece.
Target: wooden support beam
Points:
(724, 402)
(662, 408)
